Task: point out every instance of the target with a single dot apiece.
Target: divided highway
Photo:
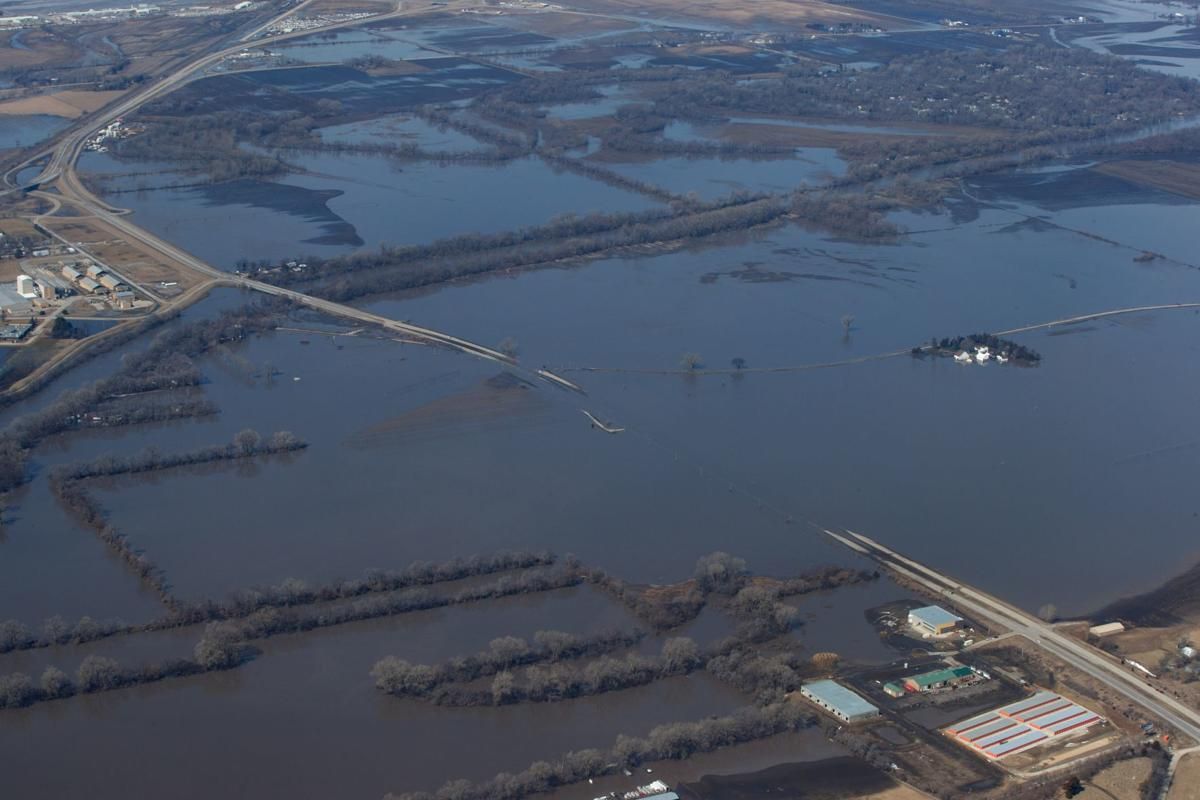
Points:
(1079, 655)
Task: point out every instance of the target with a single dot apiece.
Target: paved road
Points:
(66, 150)
(1086, 659)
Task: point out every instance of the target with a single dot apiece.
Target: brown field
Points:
(557, 23)
(744, 13)
(42, 48)
(1187, 779)
(69, 103)
(350, 6)
(1121, 781)
(135, 261)
(1171, 176)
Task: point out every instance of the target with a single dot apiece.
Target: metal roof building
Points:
(1024, 724)
(839, 701)
(937, 678)
(933, 619)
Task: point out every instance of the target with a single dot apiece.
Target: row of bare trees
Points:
(675, 741)
(290, 593)
(227, 644)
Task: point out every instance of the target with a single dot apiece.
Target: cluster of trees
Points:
(767, 676)
(397, 676)
(761, 614)
(677, 741)
(662, 609)
(542, 683)
(140, 412)
(1018, 353)
(850, 215)
(1018, 89)
(210, 142)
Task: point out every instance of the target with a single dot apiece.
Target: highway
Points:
(66, 150)
(1096, 663)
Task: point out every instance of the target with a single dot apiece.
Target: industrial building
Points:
(71, 274)
(89, 286)
(1027, 723)
(95, 271)
(110, 282)
(839, 701)
(933, 620)
(938, 679)
(26, 287)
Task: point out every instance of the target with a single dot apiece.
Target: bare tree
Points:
(691, 361)
(509, 346)
(247, 440)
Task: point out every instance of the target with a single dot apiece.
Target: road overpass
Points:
(1095, 663)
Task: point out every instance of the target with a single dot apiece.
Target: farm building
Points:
(938, 679)
(1107, 629)
(839, 701)
(933, 620)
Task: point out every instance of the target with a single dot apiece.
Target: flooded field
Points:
(309, 699)
(746, 380)
(27, 130)
(341, 203)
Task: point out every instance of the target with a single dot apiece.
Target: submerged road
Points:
(1086, 659)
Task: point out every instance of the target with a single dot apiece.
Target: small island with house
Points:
(979, 348)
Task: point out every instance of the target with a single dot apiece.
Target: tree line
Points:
(373, 273)
(399, 677)
(164, 364)
(15, 635)
(673, 741)
(65, 484)
(226, 644)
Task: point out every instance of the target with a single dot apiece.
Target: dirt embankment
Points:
(1178, 177)
(1175, 602)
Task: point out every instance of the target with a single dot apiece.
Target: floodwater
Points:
(345, 202)
(337, 47)
(399, 129)
(27, 130)
(304, 713)
(957, 467)
(712, 178)
(1170, 48)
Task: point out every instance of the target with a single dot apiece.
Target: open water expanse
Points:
(1067, 483)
